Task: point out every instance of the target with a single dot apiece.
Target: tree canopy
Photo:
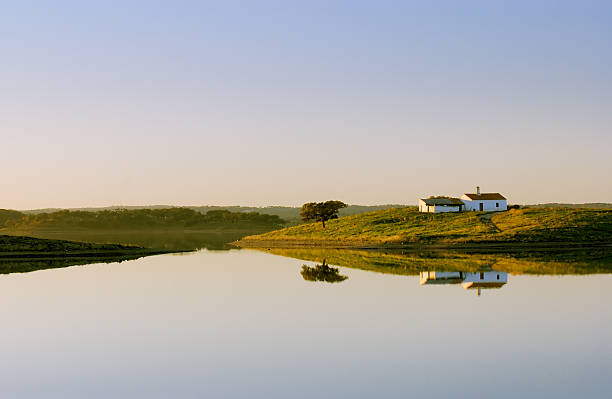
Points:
(321, 211)
(183, 218)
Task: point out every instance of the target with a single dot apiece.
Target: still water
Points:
(249, 324)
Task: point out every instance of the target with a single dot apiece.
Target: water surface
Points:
(246, 324)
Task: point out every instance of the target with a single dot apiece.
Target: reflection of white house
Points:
(492, 279)
(437, 205)
(468, 280)
(441, 277)
(484, 201)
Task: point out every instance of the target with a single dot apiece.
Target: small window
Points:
(482, 276)
(497, 204)
(498, 276)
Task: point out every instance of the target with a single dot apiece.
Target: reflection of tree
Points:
(322, 273)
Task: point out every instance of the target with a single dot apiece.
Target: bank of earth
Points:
(30, 247)
(406, 228)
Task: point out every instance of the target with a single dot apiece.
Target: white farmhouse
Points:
(484, 201)
(437, 205)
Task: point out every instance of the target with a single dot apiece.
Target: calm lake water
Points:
(246, 324)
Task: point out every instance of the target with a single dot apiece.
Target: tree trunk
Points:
(323, 223)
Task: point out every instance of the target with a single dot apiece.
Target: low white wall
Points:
(422, 206)
(488, 205)
(440, 209)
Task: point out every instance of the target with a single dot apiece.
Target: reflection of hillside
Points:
(412, 263)
(29, 265)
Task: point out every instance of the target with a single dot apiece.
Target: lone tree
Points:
(321, 211)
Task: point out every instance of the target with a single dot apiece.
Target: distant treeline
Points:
(139, 219)
(591, 205)
(287, 213)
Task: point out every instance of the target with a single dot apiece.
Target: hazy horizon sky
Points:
(285, 102)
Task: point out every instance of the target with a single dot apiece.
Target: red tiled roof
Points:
(486, 196)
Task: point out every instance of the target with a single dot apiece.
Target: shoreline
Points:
(488, 246)
(27, 247)
(83, 254)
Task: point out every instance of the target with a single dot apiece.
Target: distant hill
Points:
(590, 205)
(148, 219)
(96, 209)
(8, 216)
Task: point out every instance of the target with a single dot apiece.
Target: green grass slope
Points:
(26, 265)
(20, 246)
(405, 226)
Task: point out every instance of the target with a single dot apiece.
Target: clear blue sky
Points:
(283, 102)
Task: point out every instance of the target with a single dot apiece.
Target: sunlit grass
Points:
(407, 225)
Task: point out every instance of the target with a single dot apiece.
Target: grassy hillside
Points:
(166, 240)
(19, 246)
(26, 265)
(408, 226)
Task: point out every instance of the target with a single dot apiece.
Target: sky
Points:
(286, 102)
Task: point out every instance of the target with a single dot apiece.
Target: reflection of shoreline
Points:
(413, 263)
(469, 280)
(489, 247)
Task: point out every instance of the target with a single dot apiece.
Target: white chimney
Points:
(478, 190)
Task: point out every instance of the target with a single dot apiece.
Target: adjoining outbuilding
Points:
(441, 204)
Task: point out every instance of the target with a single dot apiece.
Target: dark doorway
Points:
(481, 206)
